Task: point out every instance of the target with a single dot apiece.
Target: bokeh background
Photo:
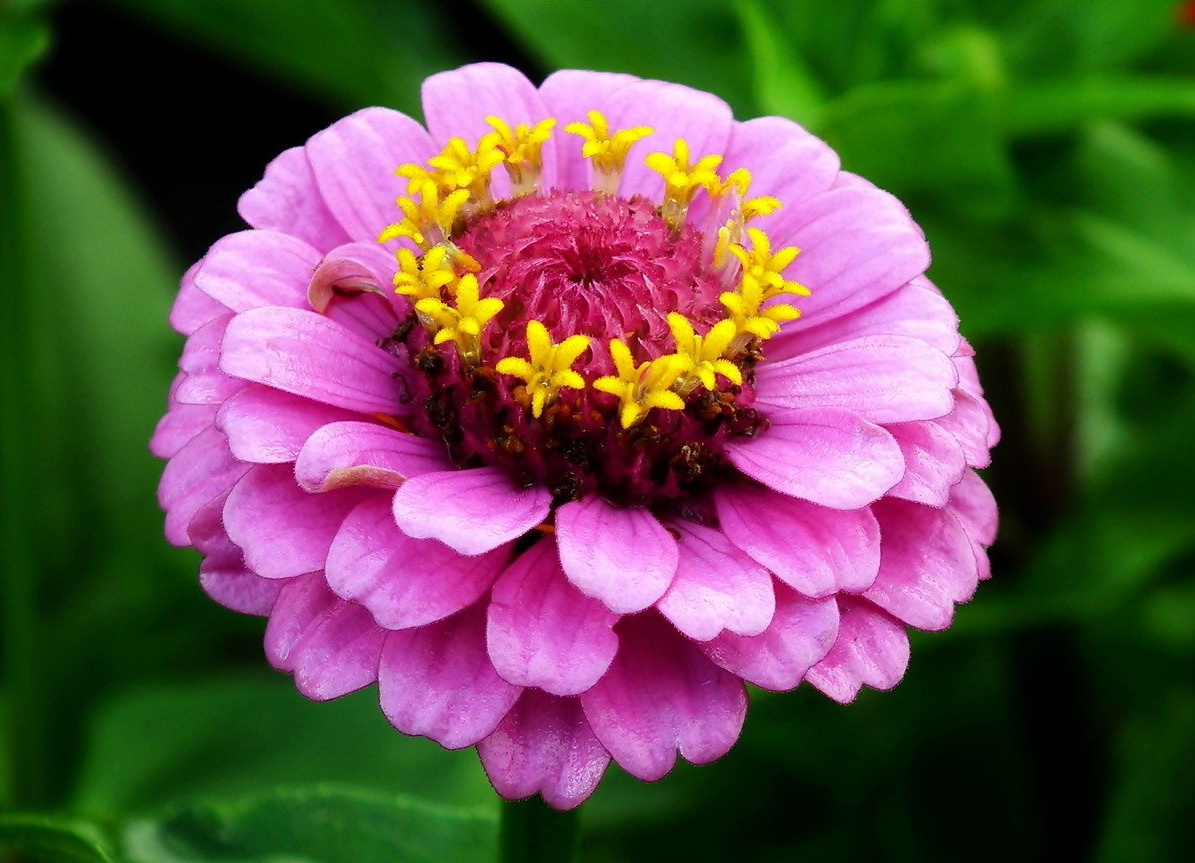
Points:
(1047, 147)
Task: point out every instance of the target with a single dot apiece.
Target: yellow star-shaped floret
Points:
(748, 318)
(701, 357)
(643, 387)
(607, 154)
(760, 266)
(550, 367)
(682, 180)
(522, 149)
(463, 322)
(424, 278)
(429, 220)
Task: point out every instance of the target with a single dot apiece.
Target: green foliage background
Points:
(1047, 147)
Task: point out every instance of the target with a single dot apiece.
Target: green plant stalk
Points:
(532, 832)
(26, 740)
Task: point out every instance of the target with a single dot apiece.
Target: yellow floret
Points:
(643, 387)
(607, 154)
(550, 366)
(682, 180)
(464, 322)
(701, 357)
(522, 148)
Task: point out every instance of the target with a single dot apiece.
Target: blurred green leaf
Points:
(23, 40)
(353, 52)
(698, 44)
(1059, 106)
(783, 84)
(1149, 815)
(54, 838)
(230, 735)
(323, 823)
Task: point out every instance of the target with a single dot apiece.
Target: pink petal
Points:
(287, 199)
(349, 270)
(284, 530)
(332, 646)
(343, 454)
(192, 307)
(203, 383)
(267, 426)
(237, 588)
(568, 95)
(913, 310)
(717, 587)
(674, 111)
(815, 550)
(371, 316)
(884, 379)
(437, 681)
(857, 244)
(456, 103)
(970, 423)
(543, 632)
(353, 162)
(544, 745)
(973, 504)
(200, 472)
(404, 582)
(622, 556)
(471, 511)
(252, 269)
(306, 354)
(179, 426)
(800, 635)
(785, 161)
(825, 455)
(872, 649)
(660, 697)
(926, 564)
(934, 462)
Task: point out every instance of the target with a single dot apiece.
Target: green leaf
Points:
(1058, 106)
(698, 44)
(324, 823)
(352, 52)
(54, 838)
(783, 83)
(23, 41)
(232, 734)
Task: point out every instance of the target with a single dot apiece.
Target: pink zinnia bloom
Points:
(582, 444)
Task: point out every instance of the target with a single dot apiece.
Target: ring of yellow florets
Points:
(702, 373)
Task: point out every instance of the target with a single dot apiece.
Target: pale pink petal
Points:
(544, 745)
(268, 426)
(349, 270)
(359, 453)
(179, 426)
(857, 244)
(815, 550)
(785, 161)
(913, 310)
(569, 95)
(456, 103)
(252, 269)
(200, 472)
(372, 316)
(284, 530)
(471, 511)
(235, 587)
(202, 381)
(801, 634)
(353, 162)
(926, 564)
(973, 504)
(717, 587)
(404, 582)
(543, 632)
(306, 354)
(288, 199)
(673, 111)
(330, 645)
(622, 556)
(437, 681)
(662, 696)
(192, 307)
(884, 379)
(872, 649)
(971, 425)
(828, 456)
(934, 462)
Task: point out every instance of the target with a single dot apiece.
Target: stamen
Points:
(458, 167)
(682, 180)
(761, 266)
(428, 222)
(522, 148)
(464, 323)
(607, 154)
(700, 357)
(643, 387)
(550, 367)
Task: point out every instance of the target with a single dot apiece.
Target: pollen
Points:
(643, 387)
(607, 154)
(550, 366)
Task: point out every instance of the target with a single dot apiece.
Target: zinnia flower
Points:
(625, 405)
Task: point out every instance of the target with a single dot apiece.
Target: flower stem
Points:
(532, 832)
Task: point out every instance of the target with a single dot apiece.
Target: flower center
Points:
(585, 341)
